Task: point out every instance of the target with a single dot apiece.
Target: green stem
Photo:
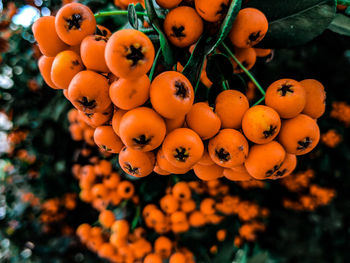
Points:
(116, 13)
(154, 64)
(225, 85)
(259, 101)
(243, 68)
(146, 30)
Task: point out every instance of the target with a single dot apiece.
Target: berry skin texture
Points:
(74, 22)
(92, 51)
(183, 26)
(129, 54)
(199, 114)
(208, 172)
(127, 94)
(183, 148)
(45, 34)
(177, 258)
(247, 57)
(168, 4)
(287, 97)
(287, 167)
(264, 160)
(64, 67)
(107, 140)
(45, 64)
(299, 135)
(212, 11)
(229, 148)
(88, 92)
(237, 173)
(249, 28)
(136, 163)
(171, 95)
(230, 106)
(142, 129)
(261, 124)
(315, 104)
(165, 165)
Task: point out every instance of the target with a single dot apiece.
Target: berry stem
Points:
(259, 101)
(116, 13)
(154, 64)
(243, 68)
(225, 85)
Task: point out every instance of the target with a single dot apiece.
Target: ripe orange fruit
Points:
(88, 92)
(287, 97)
(212, 11)
(45, 64)
(107, 140)
(183, 26)
(45, 34)
(315, 104)
(208, 172)
(92, 52)
(129, 53)
(136, 163)
(264, 160)
(142, 129)
(229, 148)
(127, 94)
(249, 28)
(183, 147)
(261, 124)
(73, 22)
(230, 106)
(199, 114)
(299, 135)
(64, 67)
(171, 94)
(237, 173)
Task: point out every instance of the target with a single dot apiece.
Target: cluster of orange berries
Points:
(178, 210)
(55, 209)
(341, 112)
(114, 241)
(101, 186)
(331, 138)
(310, 196)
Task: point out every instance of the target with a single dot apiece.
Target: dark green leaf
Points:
(226, 24)
(157, 25)
(340, 25)
(132, 16)
(193, 68)
(294, 22)
(206, 45)
(219, 68)
(139, 7)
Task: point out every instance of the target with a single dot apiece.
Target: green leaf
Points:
(294, 22)
(157, 25)
(132, 16)
(226, 24)
(219, 68)
(340, 25)
(193, 68)
(206, 45)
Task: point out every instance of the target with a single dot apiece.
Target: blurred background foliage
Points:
(40, 163)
